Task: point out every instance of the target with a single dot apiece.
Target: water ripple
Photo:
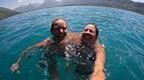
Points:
(122, 32)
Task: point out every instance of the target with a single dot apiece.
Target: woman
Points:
(89, 55)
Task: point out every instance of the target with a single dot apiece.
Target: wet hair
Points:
(97, 31)
(53, 24)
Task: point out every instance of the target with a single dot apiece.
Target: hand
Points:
(14, 67)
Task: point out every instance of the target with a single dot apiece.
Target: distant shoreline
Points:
(91, 5)
(120, 4)
(4, 12)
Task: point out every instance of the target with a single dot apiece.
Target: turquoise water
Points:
(121, 31)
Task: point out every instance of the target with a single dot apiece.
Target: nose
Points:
(61, 30)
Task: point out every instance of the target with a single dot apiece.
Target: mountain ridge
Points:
(120, 4)
(5, 12)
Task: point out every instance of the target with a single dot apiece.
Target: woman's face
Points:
(89, 33)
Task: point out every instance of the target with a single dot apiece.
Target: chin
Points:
(61, 36)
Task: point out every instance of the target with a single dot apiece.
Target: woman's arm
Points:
(15, 66)
(98, 73)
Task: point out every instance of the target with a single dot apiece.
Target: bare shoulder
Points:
(99, 47)
(74, 36)
(44, 42)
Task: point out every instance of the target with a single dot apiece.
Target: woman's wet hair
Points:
(53, 24)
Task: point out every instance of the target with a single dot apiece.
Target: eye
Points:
(86, 30)
(64, 28)
(60, 27)
(91, 31)
(56, 28)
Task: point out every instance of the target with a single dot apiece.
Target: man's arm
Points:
(25, 51)
(15, 66)
(98, 73)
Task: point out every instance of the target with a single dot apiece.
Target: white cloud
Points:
(58, 0)
(19, 0)
(138, 1)
(30, 1)
(26, 2)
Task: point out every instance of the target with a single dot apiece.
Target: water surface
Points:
(121, 31)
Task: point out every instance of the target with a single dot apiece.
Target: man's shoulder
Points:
(47, 41)
(74, 33)
(74, 36)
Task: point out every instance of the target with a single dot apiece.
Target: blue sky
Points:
(11, 4)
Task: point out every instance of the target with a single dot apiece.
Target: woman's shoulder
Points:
(99, 46)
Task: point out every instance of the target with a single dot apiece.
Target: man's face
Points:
(60, 28)
(89, 33)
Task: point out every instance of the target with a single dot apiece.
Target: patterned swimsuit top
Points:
(83, 56)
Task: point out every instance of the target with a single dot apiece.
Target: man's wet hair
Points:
(53, 24)
(97, 31)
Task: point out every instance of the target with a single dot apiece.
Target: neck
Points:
(58, 39)
(88, 43)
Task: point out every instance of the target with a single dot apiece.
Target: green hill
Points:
(4, 12)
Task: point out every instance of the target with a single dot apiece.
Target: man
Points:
(55, 45)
